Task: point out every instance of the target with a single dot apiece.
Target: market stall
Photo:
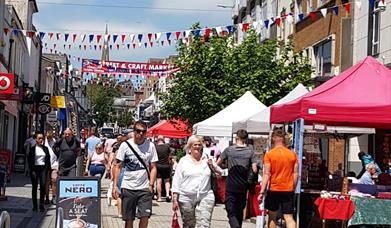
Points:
(358, 97)
(170, 129)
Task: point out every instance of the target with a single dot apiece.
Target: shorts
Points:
(164, 172)
(97, 169)
(132, 200)
(280, 200)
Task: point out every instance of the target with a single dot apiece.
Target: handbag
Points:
(139, 158)
(174, 222)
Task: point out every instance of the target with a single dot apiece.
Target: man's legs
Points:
(272, 223)
(234, 205)
(159, 188)
(168, 187)
(290, 222)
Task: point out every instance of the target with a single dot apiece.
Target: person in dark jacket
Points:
(67, 150)
(39, 165)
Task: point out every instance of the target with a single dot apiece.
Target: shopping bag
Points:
(175, 223)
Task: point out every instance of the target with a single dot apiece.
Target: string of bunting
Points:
(127, 41)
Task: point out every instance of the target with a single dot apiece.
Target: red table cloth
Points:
(335, 209)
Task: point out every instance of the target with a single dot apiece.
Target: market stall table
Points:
(334, 209)
(370, 211)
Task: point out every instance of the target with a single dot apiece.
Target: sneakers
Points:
(168, 199)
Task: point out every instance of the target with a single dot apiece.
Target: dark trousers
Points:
(38, 175)
(234, 205)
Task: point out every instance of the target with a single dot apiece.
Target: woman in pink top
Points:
(97, 162)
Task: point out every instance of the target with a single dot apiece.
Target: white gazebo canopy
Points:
(260, 122)
(221, 123)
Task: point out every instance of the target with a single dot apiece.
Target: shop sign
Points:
(43, 98)
(16, 95)
(57, 102)
(6, 83)
(19, 162)
(44, 109)
(79, 199)
(52, 116)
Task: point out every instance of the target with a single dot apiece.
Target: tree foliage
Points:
(101, 98)
(125, 119)
(216, 72)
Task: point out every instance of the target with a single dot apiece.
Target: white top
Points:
(191, 180)
(39, 156)
(135, 175)
(53, 157)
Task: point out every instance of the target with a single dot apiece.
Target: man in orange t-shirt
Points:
(281, 171)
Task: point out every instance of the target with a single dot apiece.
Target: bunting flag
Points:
(30, 34)
(134, 45)
(336, 9)
(162, 42)
(66, 37)
(313, 16)
(100, 47)
(157, 36)
(95, 47)
(149, 37)
(208, 32)
(128, 46)
(324, 12)
(98, 37)
(177, 35)
(117, 45)
(197, 32)
(301, 17)
(245, 27)
(6, 30)
(230, 28)
(69, 47)
(74, 38)
(50, 35)
(266, 24)
(151, 43)
(289, 18)
(83, 37)
(347, 7)
(140, 37)
(91, 37)
(145, 45)
(278, 21)
(64, 46)
(41, 35)
(132, 38)
(123, 37)
(58, 35)
(111, 47)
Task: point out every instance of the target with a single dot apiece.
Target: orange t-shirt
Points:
(282, 162)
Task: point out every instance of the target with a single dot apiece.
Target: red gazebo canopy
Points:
(170, 129)
(360, 97)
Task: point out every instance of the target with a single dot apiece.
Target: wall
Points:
(356, 145)
(360, 33)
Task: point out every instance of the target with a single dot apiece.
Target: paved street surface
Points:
(20, 208)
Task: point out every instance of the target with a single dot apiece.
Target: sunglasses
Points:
(140, 131)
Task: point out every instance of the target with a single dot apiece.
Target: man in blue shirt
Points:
(370, 173)
(91, 142)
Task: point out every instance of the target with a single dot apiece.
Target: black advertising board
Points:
(43, 98)
(79, 197)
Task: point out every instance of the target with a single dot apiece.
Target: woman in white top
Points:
(191, 186)
(97, 161)
(39, 165)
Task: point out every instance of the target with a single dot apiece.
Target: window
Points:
(322, 54)
(374, 29)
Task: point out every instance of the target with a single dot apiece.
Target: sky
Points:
(62, 19)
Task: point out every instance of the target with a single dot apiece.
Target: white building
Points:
(372, 31)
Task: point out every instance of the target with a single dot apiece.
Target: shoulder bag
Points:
(139, 158)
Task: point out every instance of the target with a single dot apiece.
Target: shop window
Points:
(374, 29)
(322, 54)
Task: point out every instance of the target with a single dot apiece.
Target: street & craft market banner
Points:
(98, 66)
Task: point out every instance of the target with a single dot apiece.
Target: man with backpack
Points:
(138, 156)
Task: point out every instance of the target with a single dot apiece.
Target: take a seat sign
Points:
(6, 83)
